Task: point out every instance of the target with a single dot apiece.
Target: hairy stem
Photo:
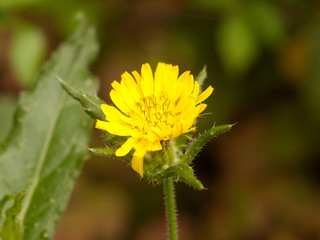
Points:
(169, 195)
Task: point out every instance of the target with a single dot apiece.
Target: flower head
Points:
(152, 108)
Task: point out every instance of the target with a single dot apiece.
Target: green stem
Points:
(168, 190)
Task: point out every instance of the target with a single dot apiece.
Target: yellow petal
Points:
(124, 95)
(202, 107)
(158, 78)
(100, 125)
(157, 146)
(131, 84)
(137, 164)
(137, 77)
(129, 98)
(181, 81)
(166, 84)
(113, 114)
(188, 86)
(106, 109)
(146, 80)
(123, 98)
(117, 100)
(174, 86)
(115, 128)
(138, 155)
(177, 131)
(141, 147)
(126, 147)
(174, 73)
(157, 132)
(195, 90)
(183, 105)
(190, 130)
(203, 96)
(118, 91)
(154, 146)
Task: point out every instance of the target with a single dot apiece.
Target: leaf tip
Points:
(204, 68)
(202, 188)
(63, 84)
(93, 150)
(198, 185)
(233, 124)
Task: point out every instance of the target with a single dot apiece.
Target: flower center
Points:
(158, 110)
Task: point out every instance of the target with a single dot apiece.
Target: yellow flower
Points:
(152, 108)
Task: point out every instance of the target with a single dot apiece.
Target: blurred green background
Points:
(263, 59)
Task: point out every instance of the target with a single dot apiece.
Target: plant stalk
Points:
(170, 204)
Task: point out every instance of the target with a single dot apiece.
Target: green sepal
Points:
(105, 152)
(90, 104)
(11, 228)
(180, 143)
(201, 77)
(179, 172)
(199, 142)
(110, 153)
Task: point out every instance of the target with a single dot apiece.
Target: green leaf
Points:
(185, 173)
(201, 77)
(11, 228)
(7, 106)
(46, 149)
(26, 53)
(198, 143)
(90, 103)
(3, 201)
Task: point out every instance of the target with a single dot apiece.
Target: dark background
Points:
(263, 59)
